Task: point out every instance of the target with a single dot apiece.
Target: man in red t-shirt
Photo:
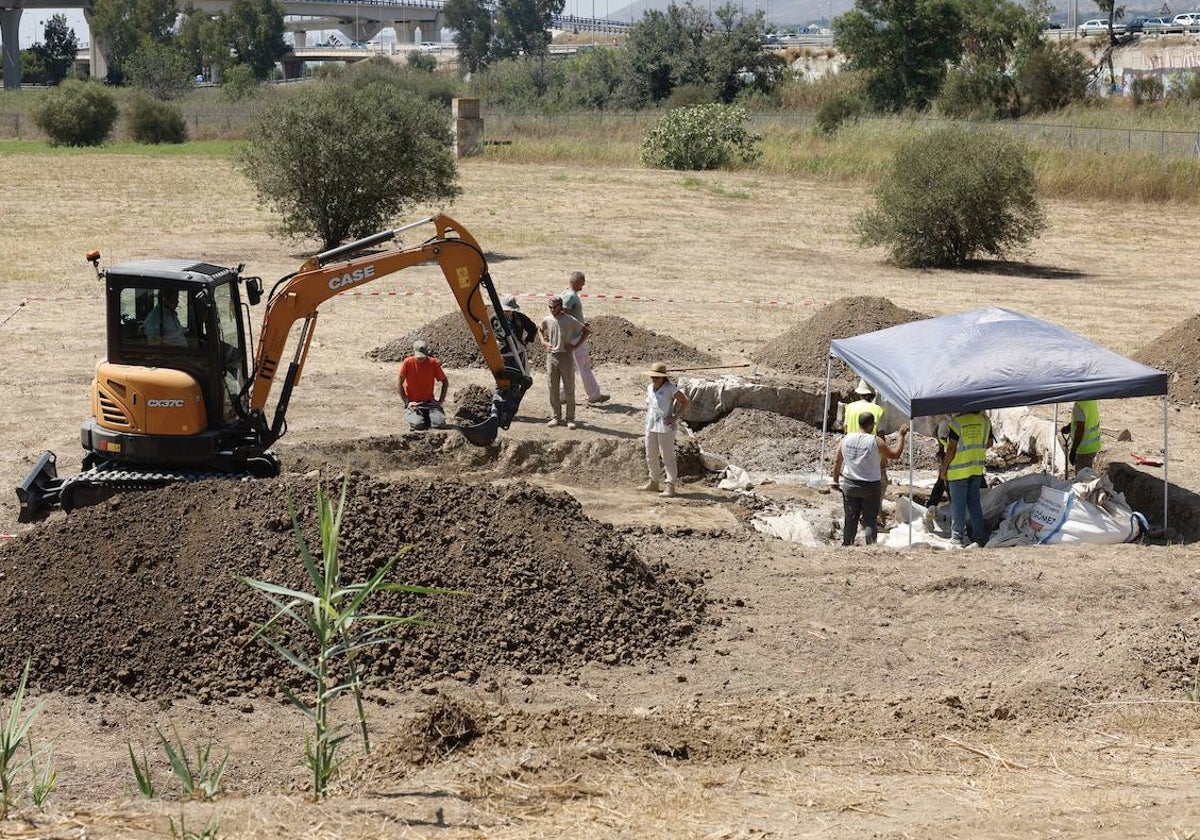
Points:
(415, 385)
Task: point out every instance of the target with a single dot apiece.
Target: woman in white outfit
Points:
(664, 405)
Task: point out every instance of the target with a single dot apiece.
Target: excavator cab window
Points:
(233, 359)
(158, 317)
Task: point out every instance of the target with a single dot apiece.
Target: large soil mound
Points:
(804, 349)
(1176, 352)
(614, 340)
(140, 595)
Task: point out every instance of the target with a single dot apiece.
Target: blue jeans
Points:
(964, 500)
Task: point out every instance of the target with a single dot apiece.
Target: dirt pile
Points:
(804, 349)
(762, 441)
(141, 595)
(613, 340)
(1176, 352)
(473, 405)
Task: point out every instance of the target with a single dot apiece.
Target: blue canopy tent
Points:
(992, 358)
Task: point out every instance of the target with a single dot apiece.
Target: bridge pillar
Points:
(299, 39)
(97, 62)
(403, 31)
(468, 127)
(10, 35)
(293, 68)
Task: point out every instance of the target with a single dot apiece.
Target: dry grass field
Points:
(833, 692)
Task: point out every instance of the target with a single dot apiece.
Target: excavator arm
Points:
(297, 297)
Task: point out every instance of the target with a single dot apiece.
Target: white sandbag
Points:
(735, 478)
(791, 525)
(1089, 511)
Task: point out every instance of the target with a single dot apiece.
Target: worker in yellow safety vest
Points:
(1085, 435)
(969, 436)
(867, 403)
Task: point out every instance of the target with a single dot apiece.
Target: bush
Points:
(152, 121)
(975, 92)
(701, 137)
(684, 96)
(238, 83)
(421, 61)
(1051, 77)
(77, 113)
(838, 110)
(951, 195)
(1145, 89)
(1185, 87)
(339, 162)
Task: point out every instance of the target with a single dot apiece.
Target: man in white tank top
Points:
(858, 473)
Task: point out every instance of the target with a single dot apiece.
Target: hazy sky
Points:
(33, 24)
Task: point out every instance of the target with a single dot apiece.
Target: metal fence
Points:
(221, 124)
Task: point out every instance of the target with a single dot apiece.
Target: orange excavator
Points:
(178, 397)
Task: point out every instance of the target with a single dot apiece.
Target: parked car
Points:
(1187, 22)
(1097, 26)
(430, 46)
(1147, 25)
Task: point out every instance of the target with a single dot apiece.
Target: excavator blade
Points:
(39, 491)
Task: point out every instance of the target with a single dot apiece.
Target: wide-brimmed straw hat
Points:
(657, 369)
(863, 388)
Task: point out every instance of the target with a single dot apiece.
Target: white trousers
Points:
(660, 446)
(583, 363)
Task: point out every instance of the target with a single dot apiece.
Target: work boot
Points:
(553, 423)
(668, 490)
(603, 398)
(650, 486)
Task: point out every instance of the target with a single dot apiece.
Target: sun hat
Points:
(421, 348)
(509, 302)
(863, 388)
(657, 369)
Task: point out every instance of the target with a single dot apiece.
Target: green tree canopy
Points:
(54, 56)
(903, 47)
(522, 27)
(162, 70)
(472, 22)
(120, 26)
(339, 162)
(253, 31)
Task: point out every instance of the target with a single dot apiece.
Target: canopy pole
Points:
(1054, 447)
(911, 478)
(1166, 461)
(825, 416)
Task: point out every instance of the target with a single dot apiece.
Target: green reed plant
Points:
(199, 775)
(331, 622)
(141, 772)
(14, 732)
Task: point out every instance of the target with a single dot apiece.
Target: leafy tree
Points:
(951, 195)
(162, 70)
(903, 46)
(421, 61)
(472, 21)
(522, 27)
(120, 26)
(77, 113)
(253, 32)
(666, 48)
(238, 83)
(202, 39)
(339, 162)
(1051, 77)
(55, 54)
(734, 48)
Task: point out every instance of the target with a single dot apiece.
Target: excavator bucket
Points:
(482, 434)
(39, 492)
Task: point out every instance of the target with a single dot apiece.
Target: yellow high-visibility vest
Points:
(1091, 427)
(970, 456)
(852, 412)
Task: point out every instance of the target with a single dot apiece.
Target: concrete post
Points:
(10, 35)
(299, 39)
(468, 127)
(403, 31)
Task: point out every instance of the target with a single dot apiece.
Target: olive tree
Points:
(339, 162)
(952, 195)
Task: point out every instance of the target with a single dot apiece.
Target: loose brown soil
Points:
(625, 665)
(1177, 352)
(613, 340)
(804, 349)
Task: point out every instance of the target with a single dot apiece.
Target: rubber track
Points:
(122, 480)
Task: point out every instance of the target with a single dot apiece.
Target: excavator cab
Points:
(177, 365)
